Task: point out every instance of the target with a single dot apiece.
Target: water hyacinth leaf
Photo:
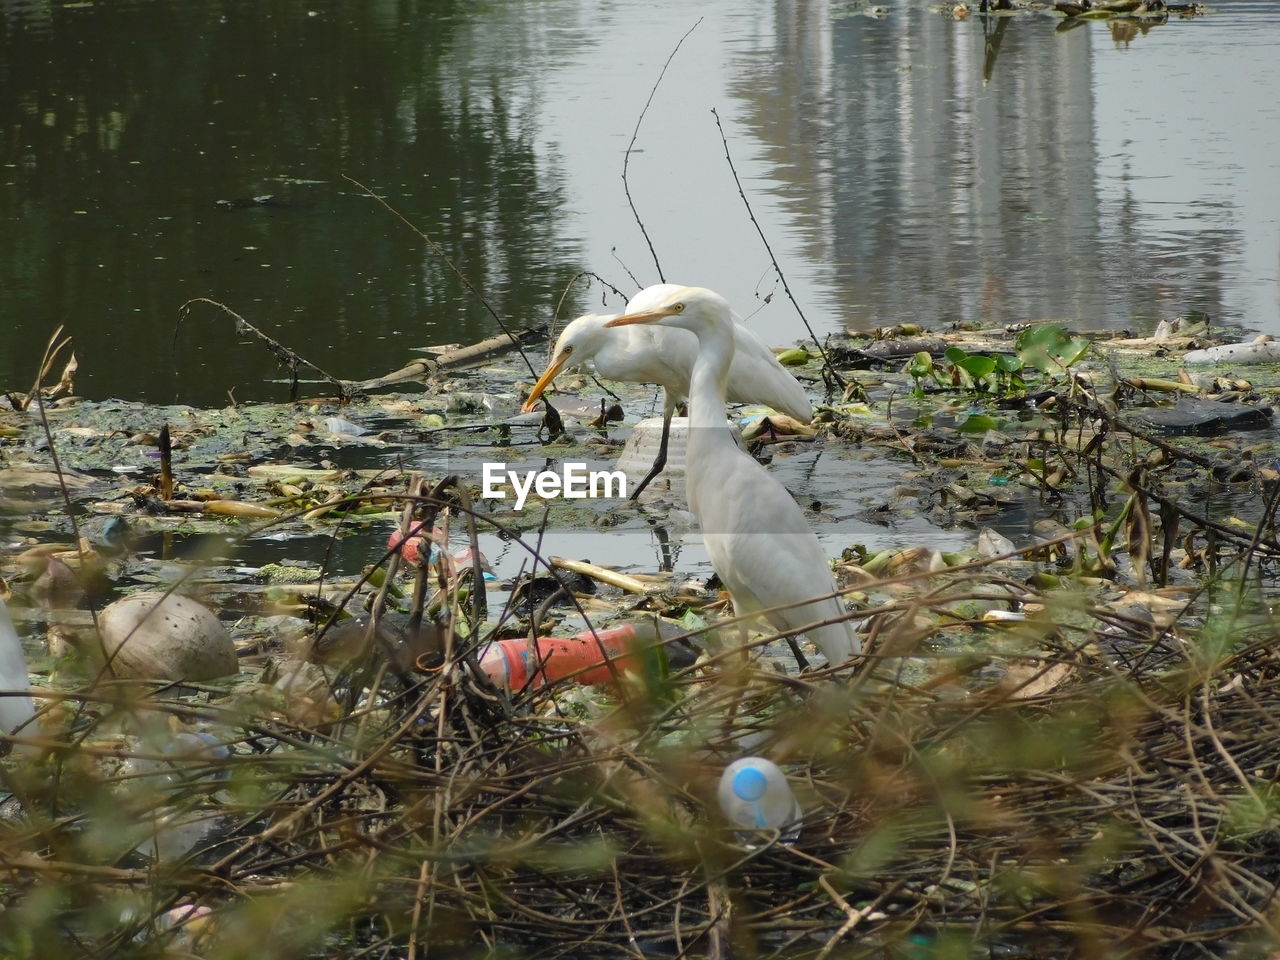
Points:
(954, 355)
(1072, 350)
(978, 367)
(1040, 335)
(1008, 362)
(1049, 348)
(979, 423)
(920, 365)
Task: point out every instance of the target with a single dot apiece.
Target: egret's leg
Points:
(744, 604)
(794, 644)
(660, 460)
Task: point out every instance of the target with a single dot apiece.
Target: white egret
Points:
(759, 541)
(16, 707)
(666, 356)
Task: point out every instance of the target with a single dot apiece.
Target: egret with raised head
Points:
(759, 541)
(666, 356)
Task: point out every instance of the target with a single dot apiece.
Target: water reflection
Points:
(140, 133)
(961, 179)
(905, 168)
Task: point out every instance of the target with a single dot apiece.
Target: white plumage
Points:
(666, 356)
(758, 539)
(16, 707)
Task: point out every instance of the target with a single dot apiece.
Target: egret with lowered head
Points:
(759, 541)
(666, 356)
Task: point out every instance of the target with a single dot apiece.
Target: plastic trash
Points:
(754, 794)
(1006, 616)
(410, 544)
(340, 427)
(641, 449)
(993, 543)
(1261, 350)
(182, 926)
(171, 833)
(410, 548)
(190, 759)
(198, 752)
(1191, 325)
(461, 559)
(190, 920)
(511, 664)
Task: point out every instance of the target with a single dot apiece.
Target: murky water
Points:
(904, 168)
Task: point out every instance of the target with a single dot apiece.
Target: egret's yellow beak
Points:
(544, 381)
(645, 316)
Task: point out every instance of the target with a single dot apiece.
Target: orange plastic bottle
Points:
(516, 664)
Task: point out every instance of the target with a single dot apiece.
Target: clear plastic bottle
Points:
(754, 794)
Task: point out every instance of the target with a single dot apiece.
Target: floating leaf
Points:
(691, 621)
(921, 365)
(979, 423)
(978, 367)
(1049, 348)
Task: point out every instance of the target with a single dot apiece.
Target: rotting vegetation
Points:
(1060, 746)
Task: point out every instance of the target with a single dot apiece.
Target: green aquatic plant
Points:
(1049, 348)
(995, 373)
(918, 368)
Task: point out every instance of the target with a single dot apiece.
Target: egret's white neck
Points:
(708, 383)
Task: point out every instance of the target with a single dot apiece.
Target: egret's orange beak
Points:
(544, 381)
(645, 316)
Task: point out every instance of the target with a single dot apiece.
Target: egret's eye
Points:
(567, 350)
(678, 308)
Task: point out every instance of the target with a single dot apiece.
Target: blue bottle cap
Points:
(749, 784)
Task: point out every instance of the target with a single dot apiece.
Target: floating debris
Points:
(754, 794)
(158, 636)
(592, 657)
(1058, 596)
(1205, 417)
(1262, 350)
